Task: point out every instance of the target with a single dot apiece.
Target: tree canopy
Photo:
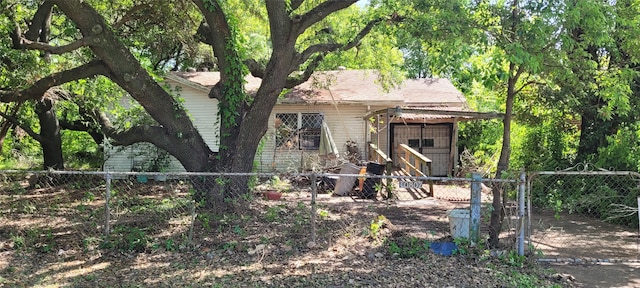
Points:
(568, 66)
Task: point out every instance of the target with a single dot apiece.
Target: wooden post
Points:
(430, 180)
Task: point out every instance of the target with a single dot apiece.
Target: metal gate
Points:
(583, 214)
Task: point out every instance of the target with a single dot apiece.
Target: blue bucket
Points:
(142, 178)
(443, 248)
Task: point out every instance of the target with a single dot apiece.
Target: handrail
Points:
(414, 161)
(375, 154)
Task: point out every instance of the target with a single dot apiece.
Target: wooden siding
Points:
(201, 109)
(440, 154)
(347, 124)
(440, 134)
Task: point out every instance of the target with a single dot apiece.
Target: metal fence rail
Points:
(133, 211)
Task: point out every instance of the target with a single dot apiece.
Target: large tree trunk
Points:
(51, 141)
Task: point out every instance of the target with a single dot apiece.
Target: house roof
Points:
(349, 87)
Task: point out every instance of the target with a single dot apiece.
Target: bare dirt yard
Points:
(54, 237)
(592, 252)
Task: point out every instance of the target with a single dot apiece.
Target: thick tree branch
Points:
(216, 32)
(308, 71)
(36, 37)
(332, 47)
(39, 26)
(301, 23)
(320, 50)
(256, 69)
(34, 45)
(136, 134)
(37, 90)
(26, 128)
(295, 4)
(82, 126)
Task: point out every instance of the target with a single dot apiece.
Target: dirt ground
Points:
(49, 238)
(587, 252)
(602, 254)
(598, 254)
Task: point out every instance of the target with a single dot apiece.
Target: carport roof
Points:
(412, 113)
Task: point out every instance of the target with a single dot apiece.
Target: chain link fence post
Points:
(107, 212)
(314, 194)
(193, 217)
(475, 208)
(521, 212)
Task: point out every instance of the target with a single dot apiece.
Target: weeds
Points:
(272, 214)
(127, 239)
(408, 247)
(376, 225)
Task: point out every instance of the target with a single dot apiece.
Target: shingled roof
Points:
(350, 87)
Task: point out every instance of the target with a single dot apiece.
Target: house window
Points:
(414, 143)
(428, 142)
(311, 125)
(298, 130)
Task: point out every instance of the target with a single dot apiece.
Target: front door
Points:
(433, 141)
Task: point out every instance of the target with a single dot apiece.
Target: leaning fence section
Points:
(585, 215)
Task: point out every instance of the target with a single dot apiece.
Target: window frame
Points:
(302, 134)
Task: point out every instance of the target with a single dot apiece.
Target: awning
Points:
(434, 113)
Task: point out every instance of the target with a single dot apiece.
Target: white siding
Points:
(204, 114)
(202, 110)
(346, 123)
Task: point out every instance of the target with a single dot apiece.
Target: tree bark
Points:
(51, 142)
(244, 120)
(495, 225)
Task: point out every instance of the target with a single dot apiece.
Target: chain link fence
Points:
(51, 211)
(584, 215)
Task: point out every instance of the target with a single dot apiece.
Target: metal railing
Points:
(138, 211)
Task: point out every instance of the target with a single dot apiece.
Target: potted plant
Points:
(152, 159)
(272, 195)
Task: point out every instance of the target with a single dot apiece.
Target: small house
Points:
(332, 117)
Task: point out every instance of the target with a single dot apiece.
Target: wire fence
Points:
(584, 214)
(134, 211)
(571, 216)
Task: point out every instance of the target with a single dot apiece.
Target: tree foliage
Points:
(91, 53)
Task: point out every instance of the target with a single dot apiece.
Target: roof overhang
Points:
(184, 82)
(424, 113)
